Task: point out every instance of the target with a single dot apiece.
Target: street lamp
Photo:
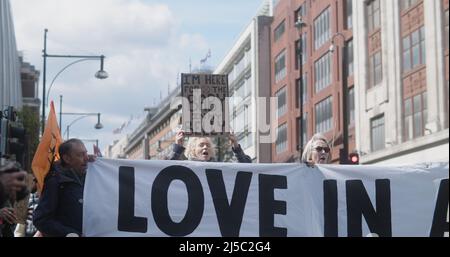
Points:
(83, 115)
(101, 74)
(343, 153)
(299, 25)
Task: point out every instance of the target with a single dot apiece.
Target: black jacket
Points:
(177, 153)
(60, 209)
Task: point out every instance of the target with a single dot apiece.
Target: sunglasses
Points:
(320, 149)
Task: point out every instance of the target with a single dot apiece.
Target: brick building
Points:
(322, 80)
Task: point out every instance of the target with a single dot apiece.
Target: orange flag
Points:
(47, 151)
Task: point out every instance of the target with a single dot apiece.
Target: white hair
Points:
(307, 152)
(192, 144)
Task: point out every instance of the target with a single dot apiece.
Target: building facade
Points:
(10, 84)
(402, 77)
(327, 23)
(247, 64)
(30, 85)
(117, 149)
(153, 138)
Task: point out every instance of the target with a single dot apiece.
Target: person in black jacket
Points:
(60, 209)
(202, 149)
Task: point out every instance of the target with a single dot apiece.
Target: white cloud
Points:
(143, 43)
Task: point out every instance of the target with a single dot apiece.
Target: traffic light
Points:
(16, 142)
(353, 159)
(3, 136)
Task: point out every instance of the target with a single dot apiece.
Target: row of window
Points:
(415, 116)
(322, 67)
(323, 119)
(414, 121)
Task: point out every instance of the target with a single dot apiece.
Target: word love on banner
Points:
(181, 198)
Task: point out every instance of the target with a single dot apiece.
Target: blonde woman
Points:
(317, 151)
(203, 149)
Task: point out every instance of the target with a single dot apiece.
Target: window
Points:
(300, 11)
(405, 4)
(348, 14)
(322, 72)
(239, 121)
(281, 144)
(304, 51)
(305, 89)
(415, 117)
(324, 115)
(414, 50)
(280, 66)
(322, 29)
(351, 106)
(282, 103)
(376, 70)
(304, 130)
(279, 31)
(249, 140)
(243, 90)
(239, 66)
(373, 14)
(350, 58)
(377, 133)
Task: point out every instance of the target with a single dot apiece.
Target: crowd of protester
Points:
(56, 212)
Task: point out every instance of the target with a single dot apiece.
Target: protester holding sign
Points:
(202, 149)
(317, 151)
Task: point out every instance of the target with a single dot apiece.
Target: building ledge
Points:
(416, 145)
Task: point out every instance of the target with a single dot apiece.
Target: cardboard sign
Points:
(207, 113)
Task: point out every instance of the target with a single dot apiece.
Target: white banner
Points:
(181, 198)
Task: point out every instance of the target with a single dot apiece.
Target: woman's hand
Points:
(179, 137)
(233, 140)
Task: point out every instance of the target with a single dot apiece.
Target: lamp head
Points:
(101, 74)
(332, 47)
(98, 126)
(300, 23)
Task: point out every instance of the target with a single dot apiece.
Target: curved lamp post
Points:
(83, 115)
(101, 74)
(343, 153)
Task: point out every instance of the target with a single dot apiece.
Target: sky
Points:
(147, 44)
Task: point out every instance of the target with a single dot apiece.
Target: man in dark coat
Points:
(60, 208)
